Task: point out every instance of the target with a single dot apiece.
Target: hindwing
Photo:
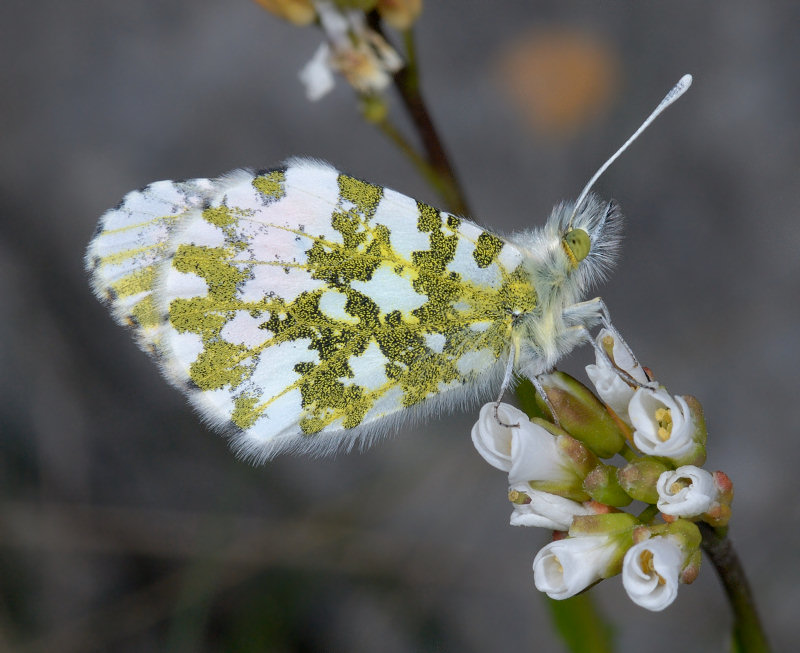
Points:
(302, 308)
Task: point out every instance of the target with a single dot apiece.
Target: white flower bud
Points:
(611, 388)
(651, 570)
(545, 509)
(664, 425)
(686, 492)
(529, 452)
(360, 54)
(536, 457)
(565, 567)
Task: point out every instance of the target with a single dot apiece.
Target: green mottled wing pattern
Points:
(303, 309)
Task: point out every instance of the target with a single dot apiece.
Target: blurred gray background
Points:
(125, 525)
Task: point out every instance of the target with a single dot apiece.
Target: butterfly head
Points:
(577, 244)
(580, 240)
(583, 240)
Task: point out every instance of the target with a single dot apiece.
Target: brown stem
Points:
(406, 81)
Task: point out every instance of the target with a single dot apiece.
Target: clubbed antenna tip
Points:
(679, 89)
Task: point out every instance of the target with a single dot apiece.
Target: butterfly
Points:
(302, 309)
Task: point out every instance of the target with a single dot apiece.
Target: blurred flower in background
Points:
(560, 80)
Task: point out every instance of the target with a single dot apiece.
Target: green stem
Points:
(628, 454)
(749, 635)
(418, 161)
(648, 514)
(581, 625)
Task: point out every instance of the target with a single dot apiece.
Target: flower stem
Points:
(648, 514)
(419, 162)
(748, 634)
(581, 625)
(438, 171)
(406, 81)
(628, 454)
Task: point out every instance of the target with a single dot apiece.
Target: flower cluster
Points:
(558, 479)
(350, 48)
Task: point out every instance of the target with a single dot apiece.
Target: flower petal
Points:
(535, 456)
(649, 410)
(565, 567)
(650, 572)
(545, 509)
(336, 23)
(611, 388)
(317, 75)
(492, 439)
(686, 492)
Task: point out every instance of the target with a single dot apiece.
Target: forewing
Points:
(301, 308)
(130, 247)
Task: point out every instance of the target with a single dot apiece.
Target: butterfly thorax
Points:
(560, 281)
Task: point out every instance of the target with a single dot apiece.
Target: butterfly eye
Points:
(577, 244)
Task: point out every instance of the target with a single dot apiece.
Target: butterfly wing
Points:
(300, 308)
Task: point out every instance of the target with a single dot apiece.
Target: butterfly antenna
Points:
(679, 89)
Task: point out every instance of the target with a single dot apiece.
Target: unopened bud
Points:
(298, 12)
(374, 108)
(582, 414)
(400, 14)
(602, 485)
(357, 5)
(639, 478)
(720, 512)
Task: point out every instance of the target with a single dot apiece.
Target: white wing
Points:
(300, 308)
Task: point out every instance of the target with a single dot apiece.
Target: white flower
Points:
(545, 509)
(565, 567)
(664, 425)
(361, 55)
(536, 457)
(317, 74)
(686, 492)
(527, 451)
(492, 439)
(651, 571)
(611, 388)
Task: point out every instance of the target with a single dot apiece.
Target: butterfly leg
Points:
(588, 313)
(504, 386)
(540, 389)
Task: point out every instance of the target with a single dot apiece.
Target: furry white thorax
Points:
(552, 330)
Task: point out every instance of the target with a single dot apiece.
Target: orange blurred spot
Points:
(560, 80)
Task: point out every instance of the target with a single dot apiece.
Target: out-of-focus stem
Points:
(748, 633)
(419, 162)
(433, 165)
(407, 83)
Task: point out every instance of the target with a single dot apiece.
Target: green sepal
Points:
(602, 485)
(610, 523)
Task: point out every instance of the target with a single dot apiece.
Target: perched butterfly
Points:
(302, 309)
